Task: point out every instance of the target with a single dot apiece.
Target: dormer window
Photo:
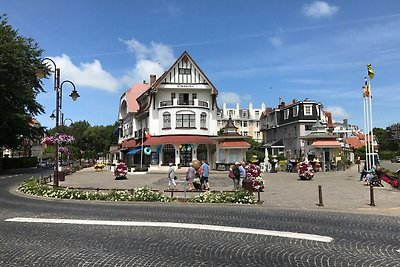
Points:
(286, 114)
(307, 110)
(185, 70)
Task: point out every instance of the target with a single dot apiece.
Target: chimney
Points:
(152, 79)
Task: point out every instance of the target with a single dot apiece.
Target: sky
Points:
(253, 51)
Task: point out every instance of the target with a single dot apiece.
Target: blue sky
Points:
(252, 51)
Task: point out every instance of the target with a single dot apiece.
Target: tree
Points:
(255, 151)
(19, 86)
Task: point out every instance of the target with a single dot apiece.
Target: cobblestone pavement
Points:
(358, 239)
(341, 190)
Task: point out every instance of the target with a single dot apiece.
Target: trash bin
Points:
(61, 176)
(247, 184)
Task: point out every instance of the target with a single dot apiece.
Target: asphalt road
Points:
(357, 240)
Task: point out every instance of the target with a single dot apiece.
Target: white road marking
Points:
(179, 225)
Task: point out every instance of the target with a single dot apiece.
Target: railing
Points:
(165, 103)
(186, 102)
(177, 102)
(203, 104)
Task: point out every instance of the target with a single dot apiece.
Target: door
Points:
(186, 154)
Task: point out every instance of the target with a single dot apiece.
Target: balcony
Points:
(179, 103)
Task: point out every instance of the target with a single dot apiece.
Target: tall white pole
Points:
(365, 130)
(370, 117)
(141, 154)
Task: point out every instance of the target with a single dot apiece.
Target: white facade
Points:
(247, 120)
(171, 119)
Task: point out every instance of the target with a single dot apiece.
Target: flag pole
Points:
(141, 154)
(365, 128)
(372, 128)
(371, 75)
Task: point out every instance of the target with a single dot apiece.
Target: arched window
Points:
(166, 120)
(203, 120)
(123, 109)
(185, 119)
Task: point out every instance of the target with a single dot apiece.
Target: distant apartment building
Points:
(284, 126)
(247, 120)
(344, 129)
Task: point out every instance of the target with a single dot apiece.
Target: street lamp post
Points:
(58, 89)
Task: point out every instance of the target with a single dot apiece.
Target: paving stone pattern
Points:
(341, 190)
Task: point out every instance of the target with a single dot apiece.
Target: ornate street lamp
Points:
(58, 89)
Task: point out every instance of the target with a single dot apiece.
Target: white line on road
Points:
(179, 225)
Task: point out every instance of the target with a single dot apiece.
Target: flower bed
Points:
(34, 187)
(238, 197)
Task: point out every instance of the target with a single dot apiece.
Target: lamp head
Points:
(74, 95)
(40, 73)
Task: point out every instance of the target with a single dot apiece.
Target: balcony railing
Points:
(176, 102)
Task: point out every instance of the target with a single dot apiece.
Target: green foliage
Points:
(13, 163)
(19, 86)
(388, 146)
(255, 150)
(94, 141)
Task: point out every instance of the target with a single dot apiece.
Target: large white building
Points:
(171, 119)
(247, 120)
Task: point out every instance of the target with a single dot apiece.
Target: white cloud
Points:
(337, 112)
(151, 59)
(319, 9)
(276, 41)
(86, 74)
(229, 98)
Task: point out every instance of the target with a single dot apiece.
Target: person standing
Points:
(205, 169)
(171, 176)
(243, 174)
(236, 173)
(190, 174)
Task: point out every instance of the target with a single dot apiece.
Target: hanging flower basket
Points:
(61, 139)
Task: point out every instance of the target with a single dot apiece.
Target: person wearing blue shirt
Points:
(205, 169)
(243, 174)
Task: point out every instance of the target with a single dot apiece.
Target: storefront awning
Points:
(326, 144)
(134, 151)
(234, 144)
(177, 139)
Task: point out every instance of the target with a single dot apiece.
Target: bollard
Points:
(371, 195)
(321, 203)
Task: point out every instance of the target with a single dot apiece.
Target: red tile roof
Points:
(128, 144)
(326, 143)
(354, 142)
(178, 139)
(234, 144)
(133, 93)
